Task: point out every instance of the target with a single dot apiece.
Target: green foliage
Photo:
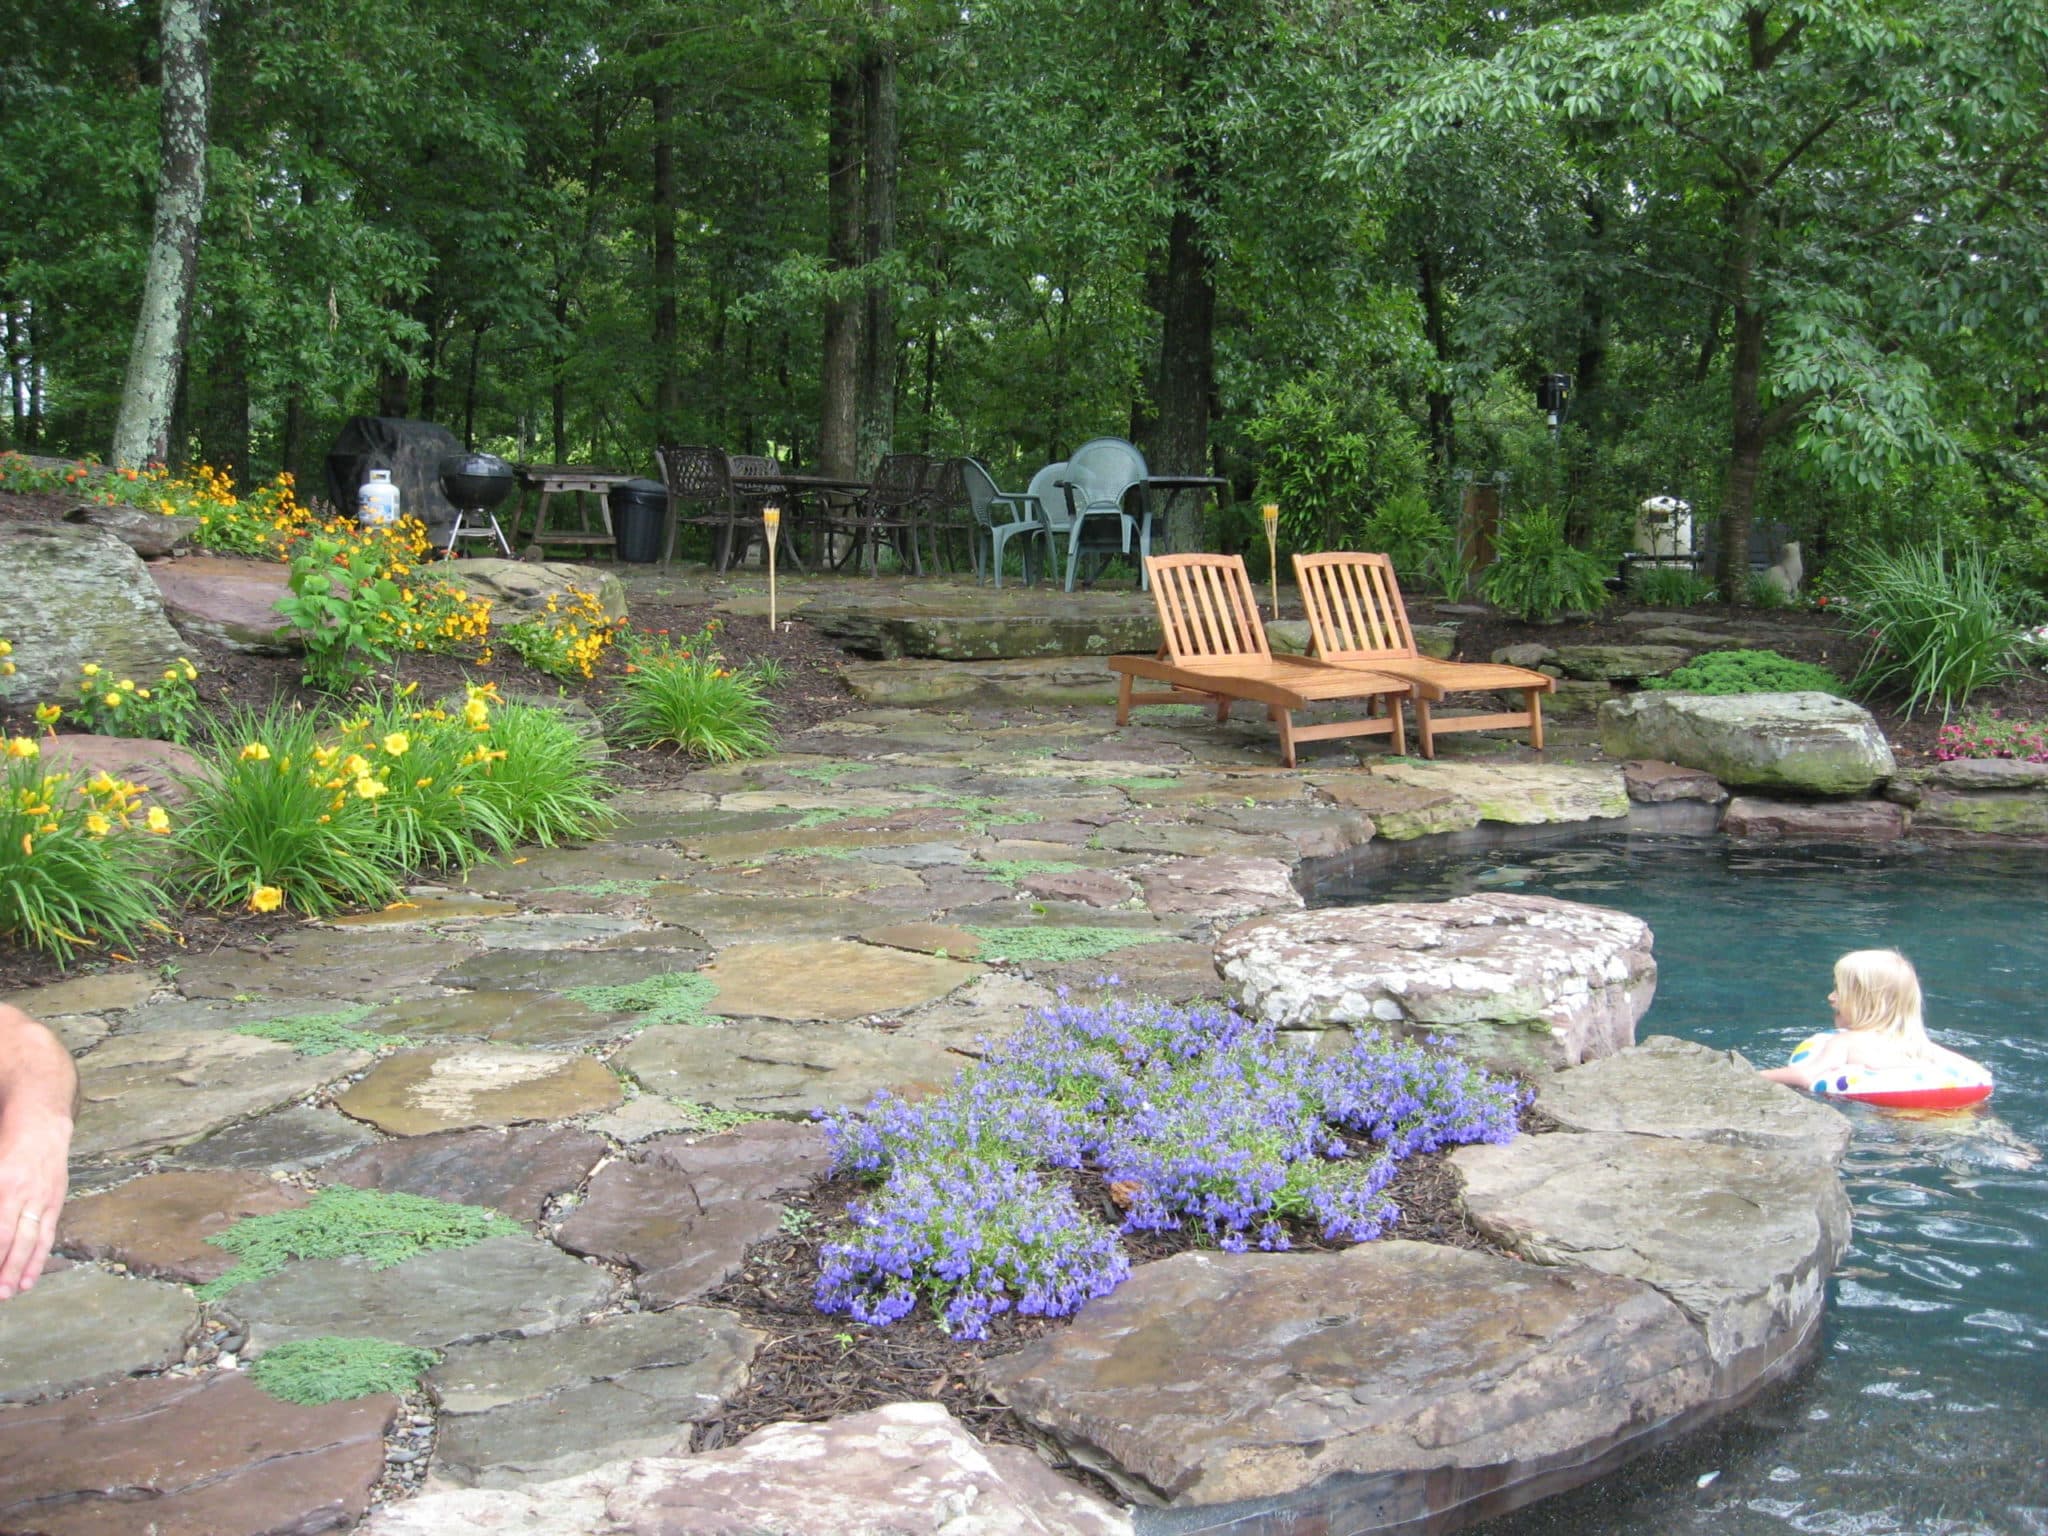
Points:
(75, 868)
(322, 1034)
(164, 708)
(709, 1119)
(1539, 577)
(332, 1370)
(768, 673)
(1334, 457)
(1054, 943)
(1759, 591)
(830, 774)
(543, 779)
(1408, 532)
(1747, 672)
(1668, 586)
(267, 814)
(383, 1227)
(1993, 734)
(686, 697)
(1941, 625)
(343, 610)
(673, 997)
(436, 809)
(1010, 871)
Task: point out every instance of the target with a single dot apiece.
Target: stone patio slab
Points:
(157, 1225)
(806, 980)
(146, 1093)
(82, 1327)
(516, 1171)
(417, 1092)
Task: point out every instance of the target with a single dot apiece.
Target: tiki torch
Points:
(771, 521)
(1269, 514)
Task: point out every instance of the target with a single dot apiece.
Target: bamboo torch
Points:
(1269, 514)
(771, 521)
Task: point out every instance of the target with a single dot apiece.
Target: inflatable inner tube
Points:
(1930, 1085)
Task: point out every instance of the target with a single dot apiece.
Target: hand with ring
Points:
(37, 1092)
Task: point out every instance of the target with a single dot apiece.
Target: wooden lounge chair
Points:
(1356, 619)
(1216, 652)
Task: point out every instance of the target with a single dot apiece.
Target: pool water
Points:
(1926, 1410)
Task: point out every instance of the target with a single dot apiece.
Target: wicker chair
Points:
(944, 506)
(892, 506)
(701, 478)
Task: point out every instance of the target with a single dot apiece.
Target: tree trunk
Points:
(668, 399)
(1746, 430)
(1187, 337)
(838, 420)
(1443, 426)
(877, 428)
(142, 429)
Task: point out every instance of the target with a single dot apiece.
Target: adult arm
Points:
(38, 1092)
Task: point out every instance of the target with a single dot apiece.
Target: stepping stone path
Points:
(683, 1212)
(416, 1092)
(846, 926)
(191, 1456)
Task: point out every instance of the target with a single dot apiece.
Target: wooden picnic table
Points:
(543, 481)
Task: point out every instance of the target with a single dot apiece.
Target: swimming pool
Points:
(1926, 1410)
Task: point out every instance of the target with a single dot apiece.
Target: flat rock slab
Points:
(82, 1327)
(514, 1411)
(1090, 887)
(1526, 981)
(156, 765)
(1401, 812)
(111, 992)
(1221, 889)
(1422, 1377)
(230, 601)
(1315, 831)
(516, 1171)
(1742, 1240)
(504, 1017)
(2015, 813)
(985, 1013)
(1981, 773)
(1806, 743)
(158, 1224)
(939, 939)
(519, 589)
(908, 1469)
(189, 1456)
(724, 920)
(418, 1092)
(1622, 663)
(1177, 971)
(335, 963)
(1653, 783)
(784, 1069)
(681, 1216)
(284, 1141)
(557, 970)
(424, 911)
(1752, 820)
(148, 1092)
(830, 980)
(1520, 794)
(1688, 1092)
(502, 1286)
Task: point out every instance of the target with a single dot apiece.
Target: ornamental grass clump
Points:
(1941, 625)
(1195, 1120)
(684, 695)
(541, 776)
(76, 865)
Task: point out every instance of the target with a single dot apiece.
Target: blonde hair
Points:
(1879, 991)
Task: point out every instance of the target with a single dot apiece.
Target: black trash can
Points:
(639, 509)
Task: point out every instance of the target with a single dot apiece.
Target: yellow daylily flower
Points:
(266, 898)
(159, 819)
(22, 746)
(397, 743)
(255, 752)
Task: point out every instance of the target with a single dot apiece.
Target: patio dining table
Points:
(1172, 487)
(809, 496)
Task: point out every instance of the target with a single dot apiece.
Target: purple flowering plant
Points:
(1197, 1118)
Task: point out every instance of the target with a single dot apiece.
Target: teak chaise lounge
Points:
(1356, 619)
(1215, 652)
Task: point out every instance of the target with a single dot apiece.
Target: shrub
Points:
(75, 866)
(1536, 575)
(1759, 591)
(1668, 586)
(1941, 625)
(277, 819)
(1748, 672)
(1197, 1119)
(344, 610)
(541, 777)
(1332, 455)
(1409, 533)
(165, 709)
(1992, 735)
(685, 696)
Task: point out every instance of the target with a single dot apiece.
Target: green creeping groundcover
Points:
(1055, 942)
(676, 997)
(382, 1227)
(328, 1370)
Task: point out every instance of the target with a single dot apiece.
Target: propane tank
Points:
(377, 501)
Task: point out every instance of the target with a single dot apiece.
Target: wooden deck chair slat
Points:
(1357, 618)
(1215, 650)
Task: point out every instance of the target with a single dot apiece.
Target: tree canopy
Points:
(1791, 251)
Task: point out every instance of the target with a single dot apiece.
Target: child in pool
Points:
(1878, 1028)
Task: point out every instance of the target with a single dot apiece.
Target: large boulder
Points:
(75, 595)
(1800, 743)
(520, 589)
(1527, 982)
(887, 631)
(152, 535)
(231, 602)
